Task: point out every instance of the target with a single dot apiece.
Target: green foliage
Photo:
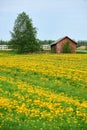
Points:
(81, 43)
(24, 35)
(3, 42)
(66, 48)
(45, 42)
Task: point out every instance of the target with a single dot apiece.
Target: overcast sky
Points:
(53, 19)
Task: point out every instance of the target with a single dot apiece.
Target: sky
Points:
(53, 19)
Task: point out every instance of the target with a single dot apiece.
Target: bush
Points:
(66, 48)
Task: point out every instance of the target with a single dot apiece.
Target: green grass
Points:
(20, 86)
(81, 51)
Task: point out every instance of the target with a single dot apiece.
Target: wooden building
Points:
(57, 46)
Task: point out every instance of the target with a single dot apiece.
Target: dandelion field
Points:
(43, 91)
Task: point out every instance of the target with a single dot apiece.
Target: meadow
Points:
(43, 91)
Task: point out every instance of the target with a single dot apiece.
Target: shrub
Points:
(66, 48)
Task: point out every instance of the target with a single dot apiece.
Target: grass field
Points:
(43, 91)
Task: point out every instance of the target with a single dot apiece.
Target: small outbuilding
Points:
(3, 47)
(58, 45)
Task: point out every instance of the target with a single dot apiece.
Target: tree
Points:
(24, 35)
(66, 48)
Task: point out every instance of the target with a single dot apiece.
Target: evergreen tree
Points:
(24, 34)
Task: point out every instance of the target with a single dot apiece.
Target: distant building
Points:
(3, 47)
(57, 45)
(46, 47)
(82, 48)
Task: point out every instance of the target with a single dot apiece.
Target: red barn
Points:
(57, 46)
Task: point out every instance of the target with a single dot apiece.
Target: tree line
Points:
(41, 42)
(81, 43)
(3, 42)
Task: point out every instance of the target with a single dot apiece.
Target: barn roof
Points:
(54, 43)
